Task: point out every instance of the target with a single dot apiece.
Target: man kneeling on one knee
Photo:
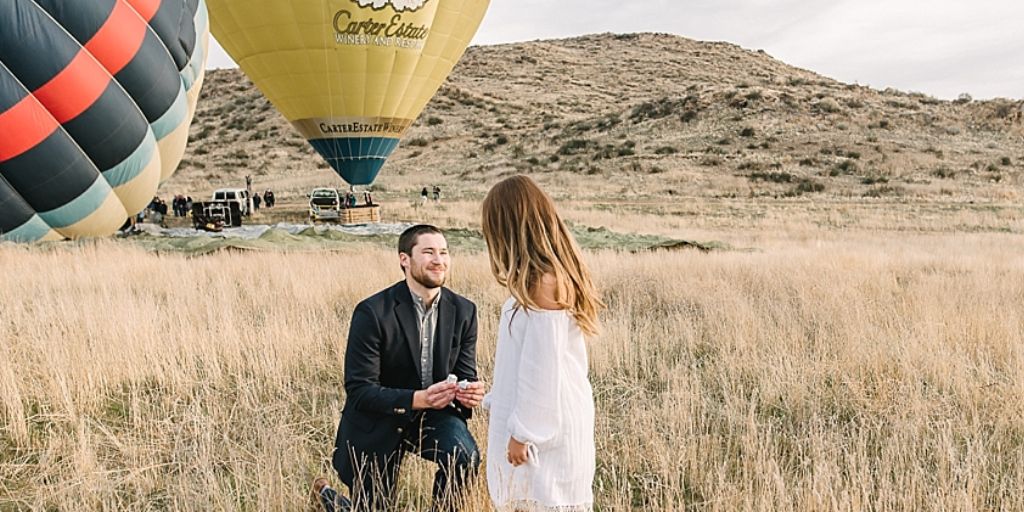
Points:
(403, 345)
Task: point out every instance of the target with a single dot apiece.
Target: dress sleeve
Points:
(536, 416)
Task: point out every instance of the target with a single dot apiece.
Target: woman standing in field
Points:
(540, 452)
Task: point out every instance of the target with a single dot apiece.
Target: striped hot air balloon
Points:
(96, 98)
(350, 75)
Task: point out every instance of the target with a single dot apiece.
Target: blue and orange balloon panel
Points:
(96, 98)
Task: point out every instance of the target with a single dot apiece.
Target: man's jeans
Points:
(436, 436)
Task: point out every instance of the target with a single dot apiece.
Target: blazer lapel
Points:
(443, 336)
(405, 313)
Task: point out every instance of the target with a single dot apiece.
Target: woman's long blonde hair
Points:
(527, 239)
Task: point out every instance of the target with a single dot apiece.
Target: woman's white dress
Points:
(541, 396)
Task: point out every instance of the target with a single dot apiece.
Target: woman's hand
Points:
(517, 453)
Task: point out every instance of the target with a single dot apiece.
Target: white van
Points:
(235, 195)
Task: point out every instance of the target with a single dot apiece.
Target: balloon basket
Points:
(360, 215)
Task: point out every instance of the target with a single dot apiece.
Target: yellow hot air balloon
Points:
(350, 75)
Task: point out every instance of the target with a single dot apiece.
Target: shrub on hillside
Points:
(827, 105)
(607, 122)
(844, 167)
(711, 161)
(611, 150)
(1005, 108)
(662, 107)
(576, 146)
(656, 109)
(885, 190)
(773, 177)
(805, 186)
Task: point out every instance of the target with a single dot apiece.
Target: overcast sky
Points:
(938, 47)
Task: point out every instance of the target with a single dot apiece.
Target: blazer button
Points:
(398, 429)
(400, 410)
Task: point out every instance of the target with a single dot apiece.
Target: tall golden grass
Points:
(873, 372)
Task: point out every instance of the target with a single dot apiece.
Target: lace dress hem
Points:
(533, 506)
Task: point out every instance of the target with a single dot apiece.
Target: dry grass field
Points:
(854, 358)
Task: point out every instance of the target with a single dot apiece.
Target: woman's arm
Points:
(536, 414)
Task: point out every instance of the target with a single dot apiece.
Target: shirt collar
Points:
(418, 301)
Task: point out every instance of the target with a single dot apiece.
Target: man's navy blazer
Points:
(382, 370)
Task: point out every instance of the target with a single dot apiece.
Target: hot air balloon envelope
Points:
(96, 98)
(350, 75)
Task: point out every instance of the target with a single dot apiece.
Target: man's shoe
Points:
(327, 499)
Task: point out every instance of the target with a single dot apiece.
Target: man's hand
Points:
(517, 453)
(437, 396)
(472, 395)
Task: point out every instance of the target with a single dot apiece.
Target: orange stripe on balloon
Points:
(119, 39)
(24, 125)
(146, 8)
(75, 88)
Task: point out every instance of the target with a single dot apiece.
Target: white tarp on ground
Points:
(254, 231)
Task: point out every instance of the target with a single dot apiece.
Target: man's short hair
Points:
(407, 240)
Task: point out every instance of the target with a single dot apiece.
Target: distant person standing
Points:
(424, 194)
(256, 202)
(437, 194)
(161, 212)
(268, 198)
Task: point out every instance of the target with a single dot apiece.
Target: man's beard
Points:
(420, 276)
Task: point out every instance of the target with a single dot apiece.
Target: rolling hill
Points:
(639, 116)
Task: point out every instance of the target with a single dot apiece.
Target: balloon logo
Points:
(350, 75)
(399, 5)
(96, 98)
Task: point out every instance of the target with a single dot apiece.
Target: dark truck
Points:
(214, 215)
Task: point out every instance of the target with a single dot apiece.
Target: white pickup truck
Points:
(325, 204)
